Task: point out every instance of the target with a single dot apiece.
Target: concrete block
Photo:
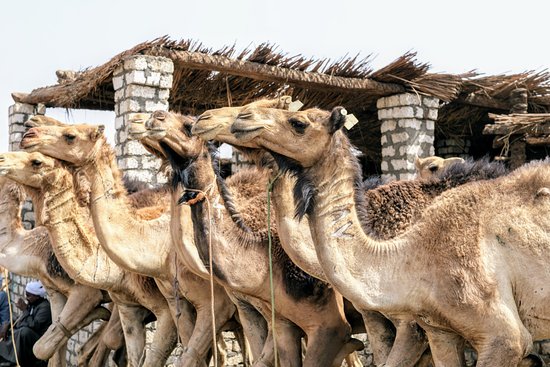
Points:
(166, 81)
(384, 166)
(432, 114)
(136, 77)
(142, 91)
(410, 99)
(150, 162)
(381, 103)
(22, 108)
(425, 138)
(119, 95)
(161, 64)
(135, 63)
(383, 114)
(130, 163)
(410, 150)
(430, 125)
(409, 124)
(120, 122)
(384, 139)
(133, 147)
(399, 137)
(129, 105)
(430, 102)
(401, 112)
(163, 93)
(118, 83)
(152, 106)
(388, 125)
(419, 112)
(153, 78)
(393, 101)
(407, 176)
(388, 151)
(29, 217)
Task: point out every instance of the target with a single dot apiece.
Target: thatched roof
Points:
(206, 78)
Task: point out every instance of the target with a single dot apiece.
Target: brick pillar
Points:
(142, 84)
(18, 114)
(408, 126)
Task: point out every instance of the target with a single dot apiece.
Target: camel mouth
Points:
(4, 170)
(245, 131)
(156, 133)
(137, 131)
(29, 140)
(205, 133)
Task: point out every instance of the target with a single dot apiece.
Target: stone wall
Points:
(408, 126)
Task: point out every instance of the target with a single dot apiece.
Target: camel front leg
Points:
(201, 340)
(164, 340)
(380, 333)
(78, 311)
(131, 319)
(288, 341)
(409, 345)
(56, 356)
(447, 348)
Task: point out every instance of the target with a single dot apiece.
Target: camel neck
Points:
(352, 260)
(121, 232)
(10, 213)
(74, 244)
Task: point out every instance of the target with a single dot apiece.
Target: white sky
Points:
(38, 37)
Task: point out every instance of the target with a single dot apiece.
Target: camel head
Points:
(29, 169)
(427, 167)
(41, 120)
(174, 131)
(214, 124)
(76, 144)
(138, 131)
(302, 136)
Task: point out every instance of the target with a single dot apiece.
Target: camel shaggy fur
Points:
(144, 245)
(193, 168)
(29, 253)
(460, 269)
(51, 188)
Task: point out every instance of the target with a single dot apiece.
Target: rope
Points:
(6, 277)
(203, 196)
(269, 191)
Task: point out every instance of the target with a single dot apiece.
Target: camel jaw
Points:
(156, 133)
(245, 131)
(206, 133)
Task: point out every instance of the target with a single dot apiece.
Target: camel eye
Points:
(298, 125)
(433, 168)
(36, 163)
(69, 137)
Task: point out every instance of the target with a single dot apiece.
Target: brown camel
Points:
(29, 253)
(80, 254)
(461, 267)
(130, 245)
(296, 290)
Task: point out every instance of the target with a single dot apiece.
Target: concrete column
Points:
(142, 84)
(18, 114)
(408, 127)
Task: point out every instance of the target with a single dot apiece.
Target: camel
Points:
(29, 253)
(461, 266)
(130, 247)
(190, 160)
(428, 166)
(80, 254)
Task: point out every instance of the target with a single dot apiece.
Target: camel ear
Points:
(337, 119)
(98, 132)
(454, 160)
(417, 163)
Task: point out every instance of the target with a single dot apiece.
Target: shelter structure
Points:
(404, 110)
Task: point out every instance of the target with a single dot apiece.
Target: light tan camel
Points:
(476, 264)
(191, 162)
(29, 253)
(140, 243)
(297, 242)
(428, 166)
(81, 255)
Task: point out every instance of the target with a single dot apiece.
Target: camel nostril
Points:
(30, 134)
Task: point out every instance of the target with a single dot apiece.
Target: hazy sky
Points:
(37, 37)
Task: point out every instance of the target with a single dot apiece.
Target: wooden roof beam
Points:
(201, 61)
